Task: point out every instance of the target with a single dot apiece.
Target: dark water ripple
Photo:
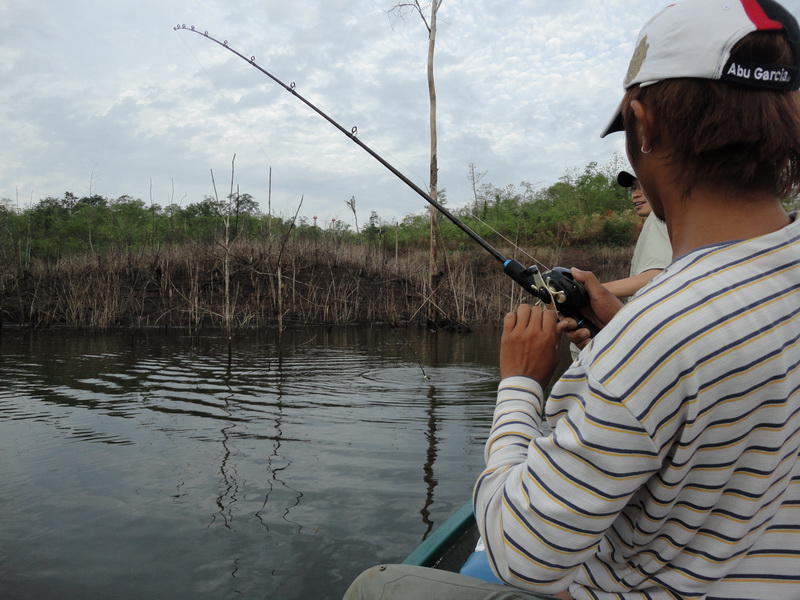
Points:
(170, 465)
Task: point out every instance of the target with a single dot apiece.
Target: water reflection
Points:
(430, 459)
(275, 467)
(229, 476)
(276, 463)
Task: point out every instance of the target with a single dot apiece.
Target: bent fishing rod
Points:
(555, 288)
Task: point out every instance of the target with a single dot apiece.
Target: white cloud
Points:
(106, 95)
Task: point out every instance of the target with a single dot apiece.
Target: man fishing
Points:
(652, 252)
(670, 468)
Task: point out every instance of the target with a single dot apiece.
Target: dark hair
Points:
(725, 133)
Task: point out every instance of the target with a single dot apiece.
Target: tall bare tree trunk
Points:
(434, 273)
(269, 206)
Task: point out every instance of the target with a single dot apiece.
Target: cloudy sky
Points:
(105, 97)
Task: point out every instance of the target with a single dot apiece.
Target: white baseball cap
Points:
(694, 38)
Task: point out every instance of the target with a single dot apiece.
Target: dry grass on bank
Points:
(305, 282)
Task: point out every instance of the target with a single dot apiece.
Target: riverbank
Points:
(272, 284)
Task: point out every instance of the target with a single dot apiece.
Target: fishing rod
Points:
(555, 288)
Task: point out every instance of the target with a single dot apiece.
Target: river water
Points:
(170, 465)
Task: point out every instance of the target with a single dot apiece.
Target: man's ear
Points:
(646, 129)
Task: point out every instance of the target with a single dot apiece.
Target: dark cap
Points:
(625, 179)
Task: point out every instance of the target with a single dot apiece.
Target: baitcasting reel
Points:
(556, 288)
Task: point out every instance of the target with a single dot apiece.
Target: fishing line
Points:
(516, 247)
(556, 288)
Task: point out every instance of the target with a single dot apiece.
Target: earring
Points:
(647, 151)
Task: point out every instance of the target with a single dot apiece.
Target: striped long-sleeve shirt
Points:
(671, 468)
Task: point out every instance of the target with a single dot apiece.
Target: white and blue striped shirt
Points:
(672, 468)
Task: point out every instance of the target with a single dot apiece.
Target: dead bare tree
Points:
(226, 247)
(434, 272)
(474, 178)
(351, 204)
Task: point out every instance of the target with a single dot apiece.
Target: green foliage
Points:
(562, 214)
(616, 231)
(375, 231)
(582, 208)
(792, 203)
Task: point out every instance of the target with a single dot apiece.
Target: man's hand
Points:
(529, 345)
(603, 305)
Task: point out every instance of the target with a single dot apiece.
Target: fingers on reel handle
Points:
(557, 288)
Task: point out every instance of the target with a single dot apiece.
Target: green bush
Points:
(617, 231)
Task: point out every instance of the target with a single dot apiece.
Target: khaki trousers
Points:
(407, 582)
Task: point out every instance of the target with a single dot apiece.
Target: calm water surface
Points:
(153, 465)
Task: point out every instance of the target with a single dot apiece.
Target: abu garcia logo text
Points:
(758, 73)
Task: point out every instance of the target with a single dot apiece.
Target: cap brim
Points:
(614, 125)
